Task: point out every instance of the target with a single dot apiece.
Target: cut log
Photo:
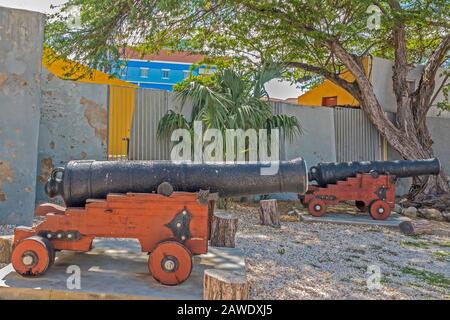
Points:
(269, 214)
(416, 227)
(211, 207)
(224, 285)
(223, 229)
(6, 243)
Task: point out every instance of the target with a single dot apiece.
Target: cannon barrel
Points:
(88, 179)
(329, 173)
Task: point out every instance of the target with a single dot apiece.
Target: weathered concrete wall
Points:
(440, 133)
(73, 125)
(21, 36)
(317, 143)
(381, 78)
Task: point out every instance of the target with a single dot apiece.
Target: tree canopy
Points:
(317, 39)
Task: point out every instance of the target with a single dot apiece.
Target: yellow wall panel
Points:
(328, 89)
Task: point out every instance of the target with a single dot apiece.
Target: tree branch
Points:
(443, 83)
(349, 86)
(400, 72)
(427, 81)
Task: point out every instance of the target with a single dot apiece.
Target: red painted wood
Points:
(133, 215)
(363, 187)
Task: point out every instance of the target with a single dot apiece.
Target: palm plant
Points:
(230, 99)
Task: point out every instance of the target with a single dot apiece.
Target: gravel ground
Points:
(325, 261)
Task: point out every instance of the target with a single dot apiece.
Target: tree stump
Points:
(269, 214)
(416, 227)
(223, 229)
(6, 249)
(224, 285)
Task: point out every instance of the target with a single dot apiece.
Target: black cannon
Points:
(371, 184)
(87, 179)
(331, 173)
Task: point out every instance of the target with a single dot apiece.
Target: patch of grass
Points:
(390, 252)
(385, 280)
(431, 278)
(281, 251)
(441, 255)
(416, 244)
(357, 250)
(376, 247)
(445, 244)
(375, 230)
(325, 260)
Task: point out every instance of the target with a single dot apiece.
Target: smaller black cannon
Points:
(371, 184)
(331, 173)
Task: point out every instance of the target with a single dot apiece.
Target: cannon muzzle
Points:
(330, 173)
(87, 179)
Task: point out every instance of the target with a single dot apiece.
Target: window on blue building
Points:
(165, 73)
(123, 71)
(186, 73)
(144, 72)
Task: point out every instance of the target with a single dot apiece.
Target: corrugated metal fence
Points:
(134, 114)
(150, 107)
(356, 138)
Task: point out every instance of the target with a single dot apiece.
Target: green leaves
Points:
(230, 99)
(170, 122)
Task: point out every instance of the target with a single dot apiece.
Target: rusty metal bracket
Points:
(180, 225)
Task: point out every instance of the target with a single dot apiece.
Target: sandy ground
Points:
(325, 261)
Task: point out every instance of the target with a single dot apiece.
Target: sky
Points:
(275, 88)
(33, 5)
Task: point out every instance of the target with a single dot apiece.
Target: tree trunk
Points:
(223, 229)
(410, 136)
(269, 214)
(224, 285)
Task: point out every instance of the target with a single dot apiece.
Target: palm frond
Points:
(288, 125)
(170, 122)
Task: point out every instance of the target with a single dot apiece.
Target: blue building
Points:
(160, 71)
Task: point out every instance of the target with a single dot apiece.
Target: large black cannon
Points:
(87, 179)
(330, 173)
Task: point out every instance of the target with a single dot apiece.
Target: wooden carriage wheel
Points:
(317, 207)
(379, 210)
(170, 263)
(33, 256)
